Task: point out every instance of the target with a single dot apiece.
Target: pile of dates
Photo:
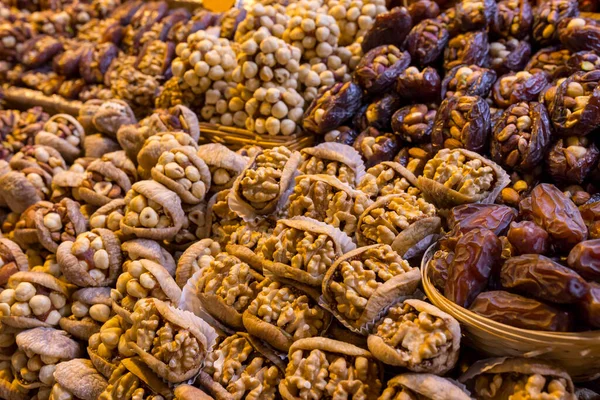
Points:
(532, 267)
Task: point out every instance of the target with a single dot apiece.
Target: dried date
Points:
(419, 86)
(468, 80)
(584, 258)
(590, 213)
(494, 217)
(590, 306)
(388, 28)
(579, 34)
(571, 160)
(554, 212)
(423, 9)
(415, 158)
(39, 50)
(332, 108)
(521, 136)
(475, 14)
(96, 60)
(551, 60)
(438, 268)
(521, 312)
(375, 146)
(509, 55)
(426, 41)
(528, 238)
(414, 123)
(519, 86)
(467, 48)
(379, 113)
(378, 70)
(585, 61)
(547, 17)
(476, 256)
(513, 19)
(342, 134)
(538, 276)
(462, 122)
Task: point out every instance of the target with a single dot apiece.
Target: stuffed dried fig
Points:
(132, 379)
(224, 165)
(92, 259)
(388, 178)
(194, 258)
(455, 177)
(109, 216)
(423, 386)
(89, 310)
(335, 159)
(12, 260)
(39, 50)
(64, 133)
(79, 379)
(108, 346)
(437, 347)
(335, 367)
(364, 282)
(61, 223)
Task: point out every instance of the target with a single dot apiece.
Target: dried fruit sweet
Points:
(425, 386)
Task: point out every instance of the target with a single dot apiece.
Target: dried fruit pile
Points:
(136, 263)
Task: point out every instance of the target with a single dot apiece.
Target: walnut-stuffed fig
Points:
(92, 259)
(459, 176)
(132, 379)
(418, 336)
(172, 342)
(262, 188)
(242, 366)
(224, 165)
(281, 314)
(320, 368)
(301, 249)
(325, 198)
(335, 159)
(517, 378)
(423, 387)
(388, 178)
(353, 288)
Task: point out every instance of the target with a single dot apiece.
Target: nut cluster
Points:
(135, 283)
(92, 255)
(31, 300)
(384, 179)
(419, 335)
(355, 17)
(536, 385)
(31, 368)
(276, 110)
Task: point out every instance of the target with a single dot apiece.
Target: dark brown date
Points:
(579, 34)
(570, 160)
(547, 17)
(585, 259)
(462, 122)
(96, 60)
(388, 28)
(574, 107)
(590, 213)
(342, 134)
(375, 146)
(39, 50)
(332, 108)
(426, 41)
(554, 212)
(475, 14)
(70, 89)
(378, 70)
(67, 63)
(521, 312)
(494, 217)
(155, 58)
(538, 276)
(509, 55)
(419, 86)
(414, 123)
(415, 158)
(468, 80)
(467, 48)
(476, 256)
(12, 37)
(513, 19)
(449, 21)
(585, 61)
(125, 12)
(438, 268)
(521, 136)
(551, 60)
(423, 9)
(590, 306)
(519, 86)
(379, 113)
(528, 238)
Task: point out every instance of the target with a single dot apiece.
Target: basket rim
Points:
(471, 319)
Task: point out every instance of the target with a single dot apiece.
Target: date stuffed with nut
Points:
(414, 123)
(426, 41)
(476, 257)
(466, 48)
(570, 160)
(540, 277)
(379, 68)
(414, 85)
(513, 19)
(333, 107)
(468, 80)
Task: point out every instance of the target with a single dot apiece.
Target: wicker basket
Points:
(576, 352)
(235, 138)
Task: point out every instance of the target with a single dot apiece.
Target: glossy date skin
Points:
(509, 55)
(578, 34)
(528, 238)
(552, 60)
(475, 14)
(538, 276)
(547, 17)
(590, 212)
(468, 80)
(516, 87)
(513, 19)
(375, 146)
(423, 9)
(553, 211)
(590, 306)
(584, 258)
(389, 28)
(419, 86)
(414, 123)
(378, 70)
(466, 48)
(462, 122)
(476, 257)
(494, 217)
(570, 160)
(438, 268)
(426, 41)
(336, 105)
(521, 312)
(379, 113)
